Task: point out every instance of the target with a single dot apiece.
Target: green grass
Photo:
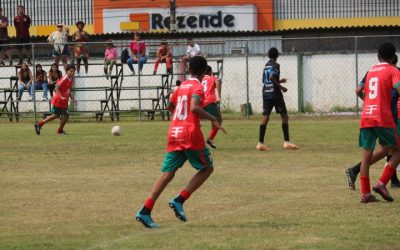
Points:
(81, 191)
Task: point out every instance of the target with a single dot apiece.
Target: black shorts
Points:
(269, 104)
(24, 43)
(3, 44)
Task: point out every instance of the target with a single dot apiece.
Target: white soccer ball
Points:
(116, 130)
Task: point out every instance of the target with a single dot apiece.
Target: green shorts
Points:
(212, 109)
(387, 137)
(59, 111)
(199, 159)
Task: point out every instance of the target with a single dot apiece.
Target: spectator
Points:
(110, 58)
(40, 82)
(4, 39)
(24, 80)
(138, 53)
(81, 51)
(163, 55)
(54, 75)
(59, 39)
(22, 23)
(192, 50)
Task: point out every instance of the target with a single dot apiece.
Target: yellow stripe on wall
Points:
(45, 30)
(334, 22)
(129, 26)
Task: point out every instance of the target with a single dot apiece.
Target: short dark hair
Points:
(395, 60)
(80, 22)
(386, 51)
(70, 66)
(273, 53)
(208, 70)
(197, 65)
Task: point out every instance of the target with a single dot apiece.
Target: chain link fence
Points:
(320, 79)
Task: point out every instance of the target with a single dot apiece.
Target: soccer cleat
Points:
(146, 220)
(178, 209)
(37, 128)
(368, 198)
(261, 147)
(351, 178)
(62, 133)
(381, 189)
(211, 143)
(289, 145)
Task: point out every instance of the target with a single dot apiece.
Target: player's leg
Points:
(213, 110)
(200, 160)
(168, 63)
(156, 63)
(86, 63)
(268, 105)
(63, 121)
(172, 162)
(353, 172)
(280, 108)
(41, 123)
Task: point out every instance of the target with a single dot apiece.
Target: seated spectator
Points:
(54, 75)
(138, 53)
(110, 58)
(24, 80)
(40, 82)
(81, 51)
(163, 55)
(192, 50)
(59, 39)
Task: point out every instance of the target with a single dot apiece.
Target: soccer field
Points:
(81, 191)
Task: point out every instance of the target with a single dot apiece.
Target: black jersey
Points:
(270, 90)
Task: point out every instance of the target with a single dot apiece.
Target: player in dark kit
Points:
(273, 97)
(353, 172)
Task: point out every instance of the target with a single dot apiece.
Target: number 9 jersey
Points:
(379, 83)
(184, 132)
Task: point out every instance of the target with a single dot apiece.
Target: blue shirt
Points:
(270, 91)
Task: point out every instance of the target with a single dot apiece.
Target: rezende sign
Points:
(219, 20)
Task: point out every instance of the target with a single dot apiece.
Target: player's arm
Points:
(171, 107)
(360, 91)
(57, 88)
(198, 110)
(219, 88)
(276, 83)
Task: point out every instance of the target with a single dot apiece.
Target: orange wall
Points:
(264, 8)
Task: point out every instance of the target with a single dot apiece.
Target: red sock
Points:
(213, 133)
(149, 203)
(387, 173)
(60, 130)
(41, 123)
(365, 185)
(185, 194)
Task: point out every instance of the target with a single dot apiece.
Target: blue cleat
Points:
(146, 220)
(178, 209)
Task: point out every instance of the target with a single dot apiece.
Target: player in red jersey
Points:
(377, 122)
(211, 102)
(163, 55)
(60, 101)
(185, 142)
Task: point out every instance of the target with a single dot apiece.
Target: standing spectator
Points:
(110, 58)
(59, 39)
(138, 53)
(40, 82)
(54, 75)
(24, 80)
(4, 38)
(192, 50)
(22, 23)
(81, 51)
(163, 55)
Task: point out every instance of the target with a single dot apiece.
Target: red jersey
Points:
(379, 83)
(22, 24)
(164, 51)
(209, 89)
(184, 131)
(64, 86)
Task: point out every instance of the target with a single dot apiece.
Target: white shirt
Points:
(193, 51)
(58, 39)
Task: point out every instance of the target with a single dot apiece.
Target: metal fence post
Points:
(33, 82)
(300, 97)
(140, 93)
(247, 82)
(356, 63)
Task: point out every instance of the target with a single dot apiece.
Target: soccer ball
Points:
(116, 130)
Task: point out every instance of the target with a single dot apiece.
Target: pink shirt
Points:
(111, 53)
(137, 48)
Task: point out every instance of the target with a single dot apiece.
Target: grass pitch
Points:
(81, 191)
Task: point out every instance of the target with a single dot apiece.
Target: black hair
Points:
(80, 22)
(395, 60)
(273, 53)
(197, 65)
(209, 70)
(387, 51)
(70, 66)
(178, 82)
